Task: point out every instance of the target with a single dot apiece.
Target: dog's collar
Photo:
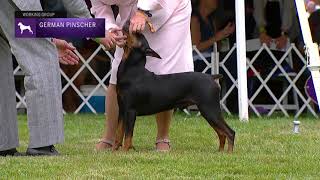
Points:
(145, 12)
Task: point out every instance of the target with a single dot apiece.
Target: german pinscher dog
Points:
(141, 92)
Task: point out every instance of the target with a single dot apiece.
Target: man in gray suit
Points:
(38, 58)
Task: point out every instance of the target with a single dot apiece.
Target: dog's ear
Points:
(152, 53)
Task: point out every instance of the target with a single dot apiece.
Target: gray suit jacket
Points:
(39, 60)
(76, 8)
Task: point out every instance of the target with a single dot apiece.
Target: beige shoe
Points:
(163, 145)
(104, 145)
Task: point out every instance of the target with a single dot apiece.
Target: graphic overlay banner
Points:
(49, 24)
(41, 14)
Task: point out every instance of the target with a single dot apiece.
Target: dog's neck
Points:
(134, 62)
(135, 58)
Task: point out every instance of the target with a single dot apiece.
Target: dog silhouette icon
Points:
(24, 27)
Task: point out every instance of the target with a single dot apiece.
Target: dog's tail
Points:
(217, 76)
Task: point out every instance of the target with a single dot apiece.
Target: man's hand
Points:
(229, 29)
(281, 42)
(264, 38)
(65, 52)
(114, 36)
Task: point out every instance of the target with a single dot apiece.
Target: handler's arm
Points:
(77, 8)
(101, 10)
(161, 10)
(150, 5)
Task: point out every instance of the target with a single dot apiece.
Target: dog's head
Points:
(136, 44)
(19, 24)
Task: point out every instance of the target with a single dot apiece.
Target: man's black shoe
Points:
(10, 152)
(43, 151)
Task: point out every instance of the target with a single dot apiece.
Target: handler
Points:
(171, 40)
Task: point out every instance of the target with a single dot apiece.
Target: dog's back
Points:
(156, 93)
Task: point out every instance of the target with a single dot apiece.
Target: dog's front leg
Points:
(119, 135)
(120, 126)
(129, 121)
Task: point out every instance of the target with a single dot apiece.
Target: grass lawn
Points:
(265, 149)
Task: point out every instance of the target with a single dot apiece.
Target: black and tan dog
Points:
(141, 92)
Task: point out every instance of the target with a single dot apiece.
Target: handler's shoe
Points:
(43, 151)
(163, 145)
(10, 152)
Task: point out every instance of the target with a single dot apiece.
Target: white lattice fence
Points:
(70, 81)
(213, 65)
(290, 78)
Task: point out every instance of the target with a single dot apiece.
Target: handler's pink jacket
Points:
(172, 39)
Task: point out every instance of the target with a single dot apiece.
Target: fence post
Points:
(241, 61)
(215, 60)
(311, 48)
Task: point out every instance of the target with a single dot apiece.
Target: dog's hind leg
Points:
(231, 135)
(216, 121)
(222, 138)
(129, 121)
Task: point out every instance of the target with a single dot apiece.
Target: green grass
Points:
(265, 149)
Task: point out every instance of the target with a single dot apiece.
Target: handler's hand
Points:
(65, 52)
(121, 39)
(138, 22)
(114, 36)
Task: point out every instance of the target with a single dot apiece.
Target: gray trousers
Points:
(39, 60)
